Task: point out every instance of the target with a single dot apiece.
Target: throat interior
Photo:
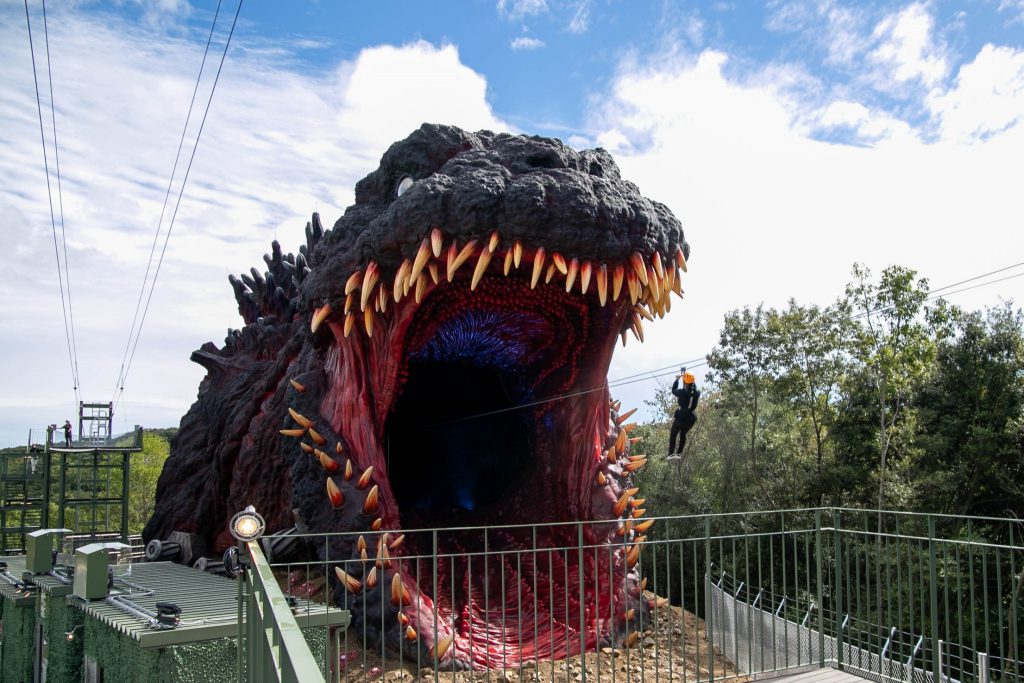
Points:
(454, 446)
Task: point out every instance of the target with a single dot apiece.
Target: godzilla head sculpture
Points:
(439, 359)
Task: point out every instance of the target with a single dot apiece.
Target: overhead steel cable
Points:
(72, 359)
(163, 209)
(181, 191)
(60, 201)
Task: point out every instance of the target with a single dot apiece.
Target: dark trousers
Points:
(680, 426)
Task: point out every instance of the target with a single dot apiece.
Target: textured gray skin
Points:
(532, 189)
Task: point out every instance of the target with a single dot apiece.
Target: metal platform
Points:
(820, 676)
(209, 605)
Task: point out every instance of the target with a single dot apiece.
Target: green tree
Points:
(143, 473)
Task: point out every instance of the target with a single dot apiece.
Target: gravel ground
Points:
(672, 649)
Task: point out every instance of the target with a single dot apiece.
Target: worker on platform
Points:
(686, 413)
(67, 433)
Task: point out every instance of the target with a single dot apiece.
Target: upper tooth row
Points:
(647, 282)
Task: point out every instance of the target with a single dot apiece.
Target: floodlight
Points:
(247, 525)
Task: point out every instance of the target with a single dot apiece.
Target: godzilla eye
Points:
(403, 185)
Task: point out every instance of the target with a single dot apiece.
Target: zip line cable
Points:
(65, 304)
(163, 209)
(181, 191)
(60, 200)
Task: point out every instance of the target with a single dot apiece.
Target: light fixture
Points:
(70, 635)
(247, 525)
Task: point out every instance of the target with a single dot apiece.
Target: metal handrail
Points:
(275, 647)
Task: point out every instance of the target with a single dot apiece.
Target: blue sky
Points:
(792, 138)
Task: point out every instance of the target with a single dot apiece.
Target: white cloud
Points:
(526, 43)
(772, 213)
(987, 97)
(277, 145)
(517, 9)
(580, 21)
(907, 49)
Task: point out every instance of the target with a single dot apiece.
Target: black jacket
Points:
(688, 397)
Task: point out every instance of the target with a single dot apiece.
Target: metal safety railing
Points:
(275, 649)
(888, 596)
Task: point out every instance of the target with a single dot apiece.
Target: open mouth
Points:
(492, 410)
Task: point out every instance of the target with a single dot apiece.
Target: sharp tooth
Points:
(453, 252)
(625, 416)
(621, 503)
(363, 556)
(382, 299)
(635, 465)
(397, 542)
(369, 282)
(630, 614)
(538, 266)
(435, 275)
(659, 602)
(422, 256)
(364, 478)
(620, 441)
(371, 578)
(400, 278)
(638, 329)
(634, 458)
(461, 258)
(493, 244)
(633, 286)
(644, 525)
(337, 448)
(377, 524)
(631, 639)
(441, 648)
(348, 469)
(629, 427)
(306, 448)
(383, 557)
(624, 528)
(585, 270)
(348, 303)
(402, 619)
(638, 267)
(643, 584)
(637, 502)
(383, 540)
(410, 633)
(623, 335)
(602, 284)
(677, 287)
(436, 242)
(680, 259)
(352, 284)
(350, 320)
(334, 494)
(350, 582)
(399, 595)
(670, 279)
(421, 287)
(319, 315)
(293, 432)
(601, 479)
(361, 543)
(574, 268)
(508, 262)
(655, 286)
(481, 268)
(633, 556)
(549, 273)
(368, 321)
(658, 267)
(559, 262)
(326, 461)
(298, 387)
(300, 418)
(517, 253)
(612, 455)
(315, 435)
(370, 504)
(617, 276)
(639, 512)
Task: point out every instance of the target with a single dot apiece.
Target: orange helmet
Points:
(688, 378)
